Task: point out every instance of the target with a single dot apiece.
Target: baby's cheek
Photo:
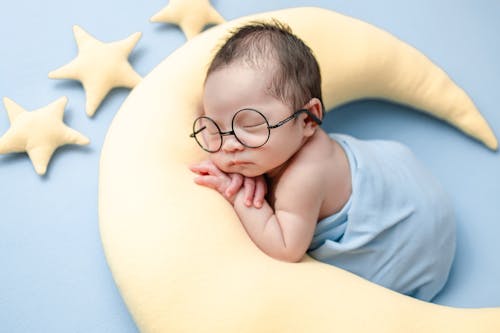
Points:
(217, 162)
(224, 168)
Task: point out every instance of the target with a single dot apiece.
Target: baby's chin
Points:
(247, 170)
(251, 174)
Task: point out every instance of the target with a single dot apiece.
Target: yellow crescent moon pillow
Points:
(180, 257)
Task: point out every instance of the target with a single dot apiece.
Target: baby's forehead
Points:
(268, 72)
(265, 67)
(243, 75)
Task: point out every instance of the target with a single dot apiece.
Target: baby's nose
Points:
(231, 144)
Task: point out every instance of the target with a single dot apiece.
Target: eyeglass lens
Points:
(207, 134)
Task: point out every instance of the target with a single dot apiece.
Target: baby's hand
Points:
(211, 176)
(255, 191)
(228, 185)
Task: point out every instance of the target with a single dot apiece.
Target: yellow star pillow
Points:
(191, 15)
(100, 67)
(39, 132)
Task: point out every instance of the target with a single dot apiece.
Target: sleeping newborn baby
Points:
(368, 207)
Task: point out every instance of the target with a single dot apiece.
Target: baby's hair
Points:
(296, 75)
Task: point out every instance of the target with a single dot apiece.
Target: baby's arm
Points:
(285, 231)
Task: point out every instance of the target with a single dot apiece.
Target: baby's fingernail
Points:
(248, 203)
(259, 204)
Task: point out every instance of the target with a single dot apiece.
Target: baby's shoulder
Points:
(315, 157)
(317, 148)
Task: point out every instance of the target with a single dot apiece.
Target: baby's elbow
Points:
(294, 259)
(290, 255)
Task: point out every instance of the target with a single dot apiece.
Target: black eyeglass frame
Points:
(231, 132)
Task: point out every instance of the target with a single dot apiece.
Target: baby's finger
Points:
(249, 186)
(212, 182)
(205, 168)
(199, 168)
(235, 185)
(260, 192)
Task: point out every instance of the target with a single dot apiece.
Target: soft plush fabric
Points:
(100, 67)
(178, 253)
(190, 15)
(38, 133)
(398, 227)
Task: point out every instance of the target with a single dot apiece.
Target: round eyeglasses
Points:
(250, 127)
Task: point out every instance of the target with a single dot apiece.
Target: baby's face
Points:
(237, 87)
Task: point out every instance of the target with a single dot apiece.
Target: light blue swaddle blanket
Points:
(398, 227)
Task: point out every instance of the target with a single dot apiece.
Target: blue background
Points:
(53, 273)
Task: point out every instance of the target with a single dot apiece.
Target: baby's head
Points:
(264, 84)
(293, 74)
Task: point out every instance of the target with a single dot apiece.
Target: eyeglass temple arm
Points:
(294, 115)
(192, 135)
(313, 117)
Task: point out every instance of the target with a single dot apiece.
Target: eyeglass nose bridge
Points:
(228, 133)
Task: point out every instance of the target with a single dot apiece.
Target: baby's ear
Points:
(315, 107)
